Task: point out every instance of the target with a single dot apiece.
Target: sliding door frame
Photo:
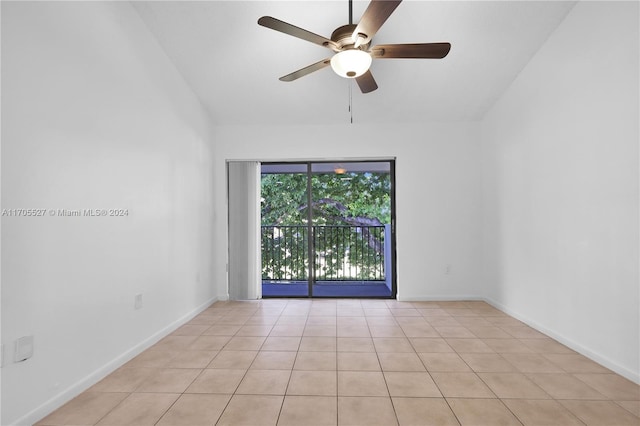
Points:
(310, 245)
(311, 279)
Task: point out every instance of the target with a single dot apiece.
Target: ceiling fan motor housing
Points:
(350, 43)
(343, 38)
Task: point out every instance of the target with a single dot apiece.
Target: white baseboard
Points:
(600, 359)
(94, 377)
(111, 366)
(595, 356)
(438, 298)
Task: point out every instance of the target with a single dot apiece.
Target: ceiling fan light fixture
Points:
(352, 44)
(351, 63)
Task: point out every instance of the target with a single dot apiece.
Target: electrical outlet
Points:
(24, 349)
(137, 302)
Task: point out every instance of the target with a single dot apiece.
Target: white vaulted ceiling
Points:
(233, 64)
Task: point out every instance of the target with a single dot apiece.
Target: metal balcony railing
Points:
(342, 253)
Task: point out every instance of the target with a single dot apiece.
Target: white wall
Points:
(95, 116)
(560, 187)
(438, 193)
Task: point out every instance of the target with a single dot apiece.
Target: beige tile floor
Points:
(356, 362)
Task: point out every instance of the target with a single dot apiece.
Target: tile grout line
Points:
(117, 405)
(290, 374)
(243, 376)
(384, 377)
(436, 383)
(240, 381)
(250, 314)
(484, 382)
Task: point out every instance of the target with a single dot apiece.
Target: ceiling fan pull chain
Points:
(350, 102)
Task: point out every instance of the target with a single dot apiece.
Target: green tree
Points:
(349, 206)
(346, 199)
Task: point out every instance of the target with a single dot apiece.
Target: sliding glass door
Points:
(285, 230)
(327, 229)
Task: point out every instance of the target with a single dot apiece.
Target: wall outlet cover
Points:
(24, 349)
(137, 304)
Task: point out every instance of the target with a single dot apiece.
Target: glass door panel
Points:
(340, 246)
(351, 216)
(285, 230)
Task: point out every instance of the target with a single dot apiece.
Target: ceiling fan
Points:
(351, 44)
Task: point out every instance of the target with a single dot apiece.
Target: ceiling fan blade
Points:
(372, 19)
(292, 30)
(366, 82)
(417, 50)
(306, 70)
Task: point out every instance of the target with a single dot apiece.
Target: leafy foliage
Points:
(365, 195)
(349, 211)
